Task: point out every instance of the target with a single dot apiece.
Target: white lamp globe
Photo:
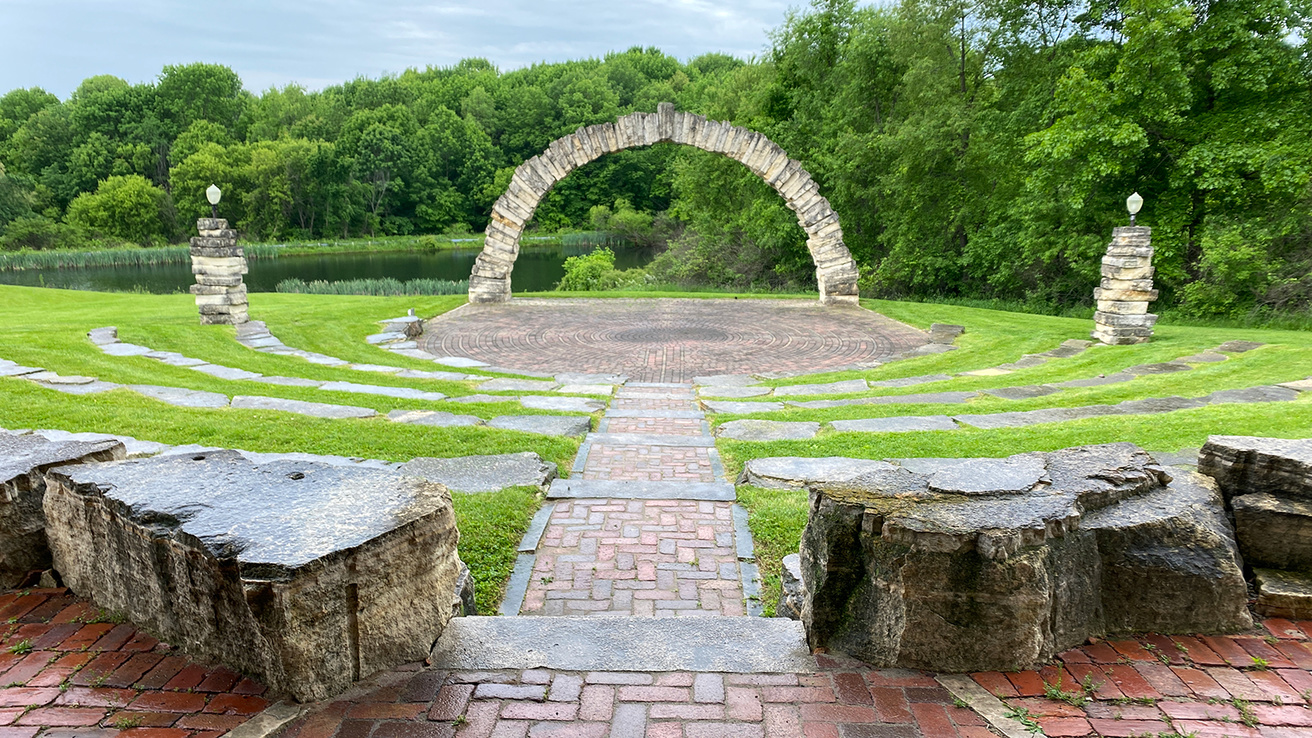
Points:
(213, 193)
(1134, 203)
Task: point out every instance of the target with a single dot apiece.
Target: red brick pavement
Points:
(668, 340)
(844, 698)
(637, 557)
(653, 463)
(656, 426)
(1251, 686)
(66, 670)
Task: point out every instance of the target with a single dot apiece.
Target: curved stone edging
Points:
(836, 272)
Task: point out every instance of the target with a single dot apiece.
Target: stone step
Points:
(740, 645)
(666, 385)
(641, 490)
(697, 414)
(651, 439)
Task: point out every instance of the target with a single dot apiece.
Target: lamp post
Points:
(1134, 203)
(213, 194)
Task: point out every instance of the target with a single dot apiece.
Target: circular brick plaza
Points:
(668, 340)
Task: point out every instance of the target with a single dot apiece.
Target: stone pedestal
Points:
(1126, 289)
(218, 263)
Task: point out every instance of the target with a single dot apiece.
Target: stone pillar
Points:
(1127, 288)
(218, 263)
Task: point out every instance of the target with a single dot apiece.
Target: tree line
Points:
(972, 148)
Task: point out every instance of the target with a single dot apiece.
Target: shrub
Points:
(596, 271)
(38, 233)
(129, 208)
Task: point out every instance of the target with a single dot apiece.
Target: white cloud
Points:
(56, 43)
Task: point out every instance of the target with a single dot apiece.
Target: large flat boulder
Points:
(484, 473)
(977, 565)
(307, 576)
(23, 463)
(1273, 532)
(797, 472)
(1247, 464)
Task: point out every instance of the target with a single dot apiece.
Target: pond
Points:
(537, 269)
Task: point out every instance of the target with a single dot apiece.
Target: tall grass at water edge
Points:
(21, 260)
(385, 287)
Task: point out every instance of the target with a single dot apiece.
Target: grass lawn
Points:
(491, 526)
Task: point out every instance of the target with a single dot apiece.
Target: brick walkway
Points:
(667, 340)
(842, 699)
(1256, 686)
(68, 670)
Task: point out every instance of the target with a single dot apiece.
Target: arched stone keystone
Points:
(836, 273)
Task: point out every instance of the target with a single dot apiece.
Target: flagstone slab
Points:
(181, 397)
(767, 430)
(433, 418)
(404, 393)
(291, 381)
(124, 349)
(728, 407)
(1097, 381)
(1165, 367)
(459, 362)
(829, 388)
(1239, 347)
(479, 398)
(784, 472)
(587, 378)
(490, 473)
(517, 385)
(225, 372)
(924, 398)
(300, 407)
(726, 380)
(547, 425)
(729, 391)
(586, 389)
(562, 404)
(1253, 394)
(911, 381)
(903, 424)
(1023, 392)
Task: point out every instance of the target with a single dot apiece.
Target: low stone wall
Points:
(218, 263)
(23, 463)
(1126, 289)
(305, 575)
(999, 564)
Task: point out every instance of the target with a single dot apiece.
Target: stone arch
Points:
(835, 270)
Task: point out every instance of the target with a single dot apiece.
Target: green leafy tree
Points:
(128, 208)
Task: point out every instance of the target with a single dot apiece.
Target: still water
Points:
(538, 268)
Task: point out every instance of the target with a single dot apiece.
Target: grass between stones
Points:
(776, 517)
(491, 526)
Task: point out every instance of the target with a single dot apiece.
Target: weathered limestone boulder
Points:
(792, 594)
(23, 463)
(998, 564)
(1273, 532)
(1246, 464)
(305, 575)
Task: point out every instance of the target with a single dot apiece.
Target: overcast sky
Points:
(55, 44)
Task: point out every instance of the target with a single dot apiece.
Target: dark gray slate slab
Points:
(1206, 357)
(945, 332)
(563, 404)
(1037, 417)
(10, 369)
(830, 388)
(911, 381)
(1252, 394)
(404, 393)
(90, 388)
(181, 397)
(103, 336)
(901, 424)
(727, 380)
(548, 425)
(927, 465)
(1067, 349)
(1010, 476)
(536, 527)
(376, 368)
(1158, 405)
(484, 473)
(446, 376)
(225, 372)
(742, 408)
(313, 409)
(1024, 392)
(517, 586)
(175, 359)
(54, 378)
(731, 391)
(1166, 367)
(135, 448)
(742, 645)
(1239, 347)
(629, 490)
(433, 418)
(1028, 361)
(921, 398)
(517, 385)
(930, 349)
(767, 430)
(1097, 381)
(378, 338)
(483, 398)
(125, 349)
(291, 381)
(797, 472)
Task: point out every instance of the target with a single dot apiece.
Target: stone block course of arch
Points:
(836, 272)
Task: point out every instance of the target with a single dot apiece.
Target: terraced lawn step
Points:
(742, 645)
(633, 490)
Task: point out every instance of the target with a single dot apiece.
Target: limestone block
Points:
(212, 243)
(303, 575)
(1119, 272)
(1118, 307)
(204, 263)
(211, 224)
(898, 574)
(224, 233)
(1115, 339)
(1272, 531)
(223, 298)
(1132, 235)
(1121, 320)
(665, 121)
(531, 179)
(685, 127)
(209, 289)
(793, 590)
(24, 461)
(584, 142)
(1283, 594)
(651, 128)
(216, 251)
(1244, 465)
(216, 280)
(235, 317)
(232, 310)
(1127, 262)
(1116, 249)
(1170, 563)
(1136, 285)
(1144, 296)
